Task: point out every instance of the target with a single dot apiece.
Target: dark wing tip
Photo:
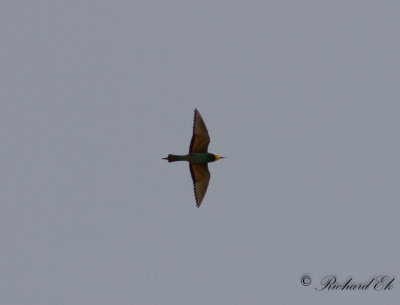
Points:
(198, 201)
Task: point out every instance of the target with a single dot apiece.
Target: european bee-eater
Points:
(198, 158)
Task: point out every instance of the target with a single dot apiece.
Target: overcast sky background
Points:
(303, 97)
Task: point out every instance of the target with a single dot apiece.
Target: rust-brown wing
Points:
(200, 138)
(200, 177)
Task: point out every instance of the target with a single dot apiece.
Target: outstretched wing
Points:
(200, 177)
(200, 138)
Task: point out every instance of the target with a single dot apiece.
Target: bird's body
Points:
(194, 158)
(198, 158)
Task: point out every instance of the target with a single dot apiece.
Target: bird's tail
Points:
(173, 158)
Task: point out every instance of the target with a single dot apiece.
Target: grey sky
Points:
(303, 98)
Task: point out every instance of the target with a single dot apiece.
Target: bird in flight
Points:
(198, 158)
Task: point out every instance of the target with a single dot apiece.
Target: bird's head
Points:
(218, 157)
